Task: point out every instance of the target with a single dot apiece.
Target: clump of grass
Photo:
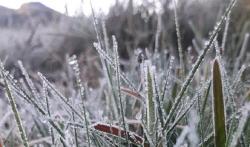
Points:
(153, 106)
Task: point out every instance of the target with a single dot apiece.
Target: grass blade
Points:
(75, 66)
(45, 95)
(118, 76)
(241, 125)
(178, 34)
(149, 88)
(218, 106)
(15, 111)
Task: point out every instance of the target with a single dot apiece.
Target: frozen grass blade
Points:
(117, 66)
(241, 125)
(237, 134)
(238, 76)
(14, 109)
(242, 52)
(83, 96)
(29, 81)
(159, 104)
(206, 95)
(60, 95)
(198, 62)
(149, 89)
(45, 95)
(178, 33)
(158, 31)
(166, 86)
(147, 134)
(110, 61)
(73, 100)
(73, 62)
(189, 106)
(105, 34)
(229, 90)
(202, 111)
(16, 87)
(224, 39)
(218, 107)
(75, 131)
(95, 22)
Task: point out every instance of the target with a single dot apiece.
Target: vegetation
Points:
(152, 99)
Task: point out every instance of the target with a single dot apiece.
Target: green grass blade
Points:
(150, 101)
(218, 107)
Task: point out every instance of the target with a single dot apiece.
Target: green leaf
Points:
(150, 102)
(218, 107)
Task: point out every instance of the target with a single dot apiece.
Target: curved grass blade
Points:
(218, 107)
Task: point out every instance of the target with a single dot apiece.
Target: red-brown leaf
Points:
(117, 131)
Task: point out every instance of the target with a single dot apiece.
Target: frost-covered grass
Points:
(157, 100)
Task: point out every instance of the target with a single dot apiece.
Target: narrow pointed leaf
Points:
(150, 102)
(218, 107)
